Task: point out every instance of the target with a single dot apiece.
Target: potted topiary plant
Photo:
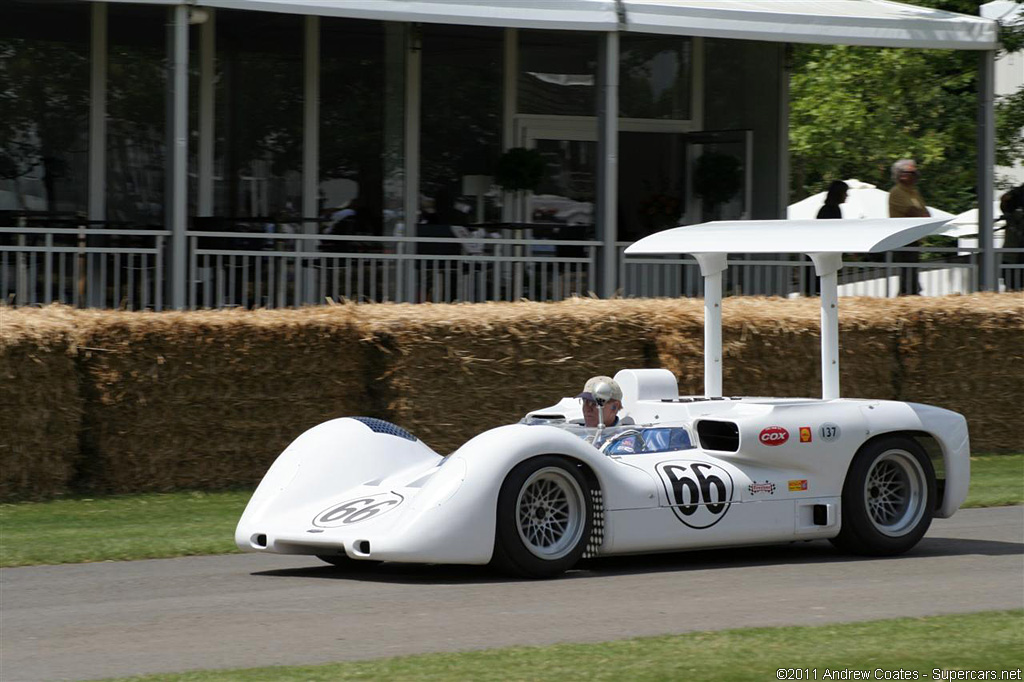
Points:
(717, 179)
(520, 170)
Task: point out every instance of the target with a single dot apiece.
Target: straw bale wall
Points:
(771, 347)
(968, 358)
(208, 399)
(108, 401)
(40, 403)
(456, 370)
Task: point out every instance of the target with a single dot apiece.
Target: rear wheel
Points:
(544, 518)
(888, 498)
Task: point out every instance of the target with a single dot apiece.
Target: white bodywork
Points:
(755, 470)
(442, 510)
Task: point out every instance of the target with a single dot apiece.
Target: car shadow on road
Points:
(813, 552)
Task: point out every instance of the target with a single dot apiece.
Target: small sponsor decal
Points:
(797, 486)
(805, 434)
(765, 487)
(699, 493)
(829, 432)
(356, 510)
(773, 435)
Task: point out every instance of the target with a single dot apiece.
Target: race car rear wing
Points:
(824, 241)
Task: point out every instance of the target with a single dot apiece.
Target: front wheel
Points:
(544, 518)
(888, 498)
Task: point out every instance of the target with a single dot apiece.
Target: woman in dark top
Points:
(836, 195)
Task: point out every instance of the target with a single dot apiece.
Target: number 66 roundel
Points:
(700, 493)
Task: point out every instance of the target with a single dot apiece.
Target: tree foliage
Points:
(855, 110)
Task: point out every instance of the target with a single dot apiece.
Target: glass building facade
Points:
(410, 124)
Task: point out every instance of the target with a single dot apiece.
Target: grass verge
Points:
(183, 524)
(119, 528)
(990, 642)
(996, 480)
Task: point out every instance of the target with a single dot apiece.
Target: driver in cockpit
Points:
(610, 410)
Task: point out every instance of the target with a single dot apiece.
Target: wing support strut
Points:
(827, 267)
(712, 265)
(823, 240)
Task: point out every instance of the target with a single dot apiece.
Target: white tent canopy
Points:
(880, 23)
(863, 201)
(966, 223)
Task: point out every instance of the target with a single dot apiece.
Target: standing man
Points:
(906, 202)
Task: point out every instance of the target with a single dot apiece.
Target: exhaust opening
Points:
(361, 548)
(259, 540)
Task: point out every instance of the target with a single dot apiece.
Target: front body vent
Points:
(381, 426)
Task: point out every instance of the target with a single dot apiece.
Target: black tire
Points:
(544, 519)
(888, 498)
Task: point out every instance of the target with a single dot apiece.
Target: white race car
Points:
(690, 472)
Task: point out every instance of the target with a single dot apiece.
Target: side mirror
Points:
(602, 394)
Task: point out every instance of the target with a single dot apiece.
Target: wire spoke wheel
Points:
(895, 492)
(550, 513)
(888, 498)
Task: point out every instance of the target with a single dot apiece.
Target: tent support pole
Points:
(986, 162)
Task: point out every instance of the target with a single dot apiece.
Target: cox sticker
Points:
(829, 432)
(357, 509)
(699, 492)
(773, 435)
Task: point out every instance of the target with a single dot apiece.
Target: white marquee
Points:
(844, 22)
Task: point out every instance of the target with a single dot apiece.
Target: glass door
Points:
(567, 193)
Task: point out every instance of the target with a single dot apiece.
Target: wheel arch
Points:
(591, 477)
(932, 448)
(598, 528)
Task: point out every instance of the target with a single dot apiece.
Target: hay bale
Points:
(456, 370)
(40, 402)
(208, 399)
(966, 353)
(128, 402)
(772, 347)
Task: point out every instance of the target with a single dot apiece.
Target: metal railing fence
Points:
(928, 271)
(83, 267)
(276, 270)
(125, 268)
(1010, 268)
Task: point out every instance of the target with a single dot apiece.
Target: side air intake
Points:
(722, 436)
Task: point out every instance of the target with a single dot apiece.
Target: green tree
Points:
(44, 107)
(855, 110)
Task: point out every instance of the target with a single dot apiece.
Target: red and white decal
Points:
(773, 435)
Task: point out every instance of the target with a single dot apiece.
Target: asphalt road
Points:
(90, 621)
